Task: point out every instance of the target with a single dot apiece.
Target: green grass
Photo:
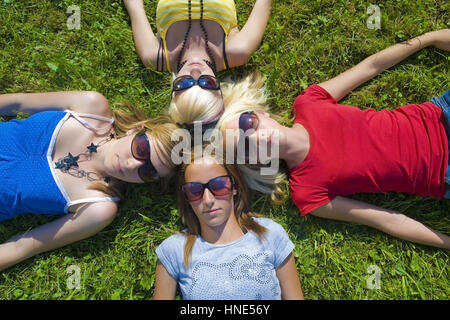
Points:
(306, 42)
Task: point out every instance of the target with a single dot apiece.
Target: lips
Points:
(119, 167)
(211, 212)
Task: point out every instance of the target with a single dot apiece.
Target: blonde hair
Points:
(161, 127)
(196, 104)
(241, 206)
(250, 94)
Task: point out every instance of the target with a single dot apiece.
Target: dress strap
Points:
(79, 117)
(91, 200)
(225, 59)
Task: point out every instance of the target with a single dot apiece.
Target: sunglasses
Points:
(204, 81)
(248, 121)
(219, 186)
(140, 149)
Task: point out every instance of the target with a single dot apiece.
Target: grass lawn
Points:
(305, 42)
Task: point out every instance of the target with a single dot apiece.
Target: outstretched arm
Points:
(289, 281)
(341, 85)
(80, 101)
(242, 45)
(144, 38)
(165, 285)
(88, 221)
(390, 222)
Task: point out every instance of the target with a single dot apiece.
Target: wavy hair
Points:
(241, 206)
(161, 127)
(250, 94)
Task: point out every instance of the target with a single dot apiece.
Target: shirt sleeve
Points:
(279, 241)
(309, 198)
(170, 253)
(311, 96)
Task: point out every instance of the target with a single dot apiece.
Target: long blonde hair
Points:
(196, 104)
(250, 94)
(241, 206)
(129, 117)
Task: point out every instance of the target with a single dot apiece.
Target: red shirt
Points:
(354, 150)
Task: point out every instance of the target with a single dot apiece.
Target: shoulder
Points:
(174, 242)
(92, 102)
(314, 93)
(269, 224)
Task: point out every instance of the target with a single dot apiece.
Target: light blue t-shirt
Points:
(240, 270)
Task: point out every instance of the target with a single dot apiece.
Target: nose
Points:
(208, 198)
(133, 163)
(195, 72)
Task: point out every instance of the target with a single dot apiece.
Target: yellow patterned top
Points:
(169, 11)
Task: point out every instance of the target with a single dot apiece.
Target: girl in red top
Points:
(335, 150)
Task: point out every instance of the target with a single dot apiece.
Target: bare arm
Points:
(341, 85)
(145, 40)
(289, 281)
(79, 101)
(88, 221)
(242, 45)
(165, 285)
(390, 222)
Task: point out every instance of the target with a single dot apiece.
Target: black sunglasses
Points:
(140, 149)
(204, 81)
(219, 186)
(248, 121)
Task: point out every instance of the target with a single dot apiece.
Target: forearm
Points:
(81, 101)
(342, 84)
(58, 233)
(388, 221)
(256, 23)
(144, 38)
(412, 230)
(12, 103)
(389, 57)
(242, 45)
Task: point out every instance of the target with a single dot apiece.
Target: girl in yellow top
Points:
(195, 38)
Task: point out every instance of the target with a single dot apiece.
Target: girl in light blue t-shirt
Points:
(226, 252)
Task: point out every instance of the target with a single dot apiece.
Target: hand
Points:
(440, 39)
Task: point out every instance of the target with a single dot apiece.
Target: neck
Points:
(99, 157)
(225, 233)
(193, 50)
(295, 147)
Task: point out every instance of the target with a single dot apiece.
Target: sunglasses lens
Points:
(140, 147)
(183, 83)
(193, 190)
(247, 121)
(147, 172)
(220, 186)
(208, 82)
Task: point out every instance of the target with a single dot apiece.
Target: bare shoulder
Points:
(92, 102)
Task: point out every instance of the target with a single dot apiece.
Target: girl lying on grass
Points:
(73, 157)
(195, 40)
(335, 150)
(226, 252)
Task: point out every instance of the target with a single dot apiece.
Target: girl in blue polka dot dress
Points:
(226, 252)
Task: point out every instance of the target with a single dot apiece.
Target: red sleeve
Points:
(309, 198)
(313, 94)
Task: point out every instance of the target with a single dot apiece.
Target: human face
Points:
(257, 129)
(126, 159)
(211, 210)
(195, 67)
